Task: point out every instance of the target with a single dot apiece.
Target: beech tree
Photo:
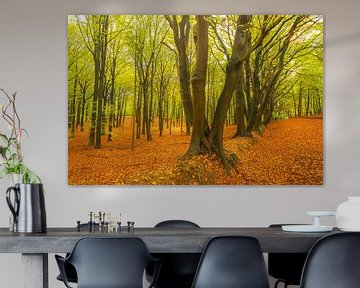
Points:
(198, 82)
(94, 31)
(213, 142)
(181, 34)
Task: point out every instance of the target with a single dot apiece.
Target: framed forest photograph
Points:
(195, 99)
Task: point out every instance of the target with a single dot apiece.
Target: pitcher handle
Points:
(13, 208)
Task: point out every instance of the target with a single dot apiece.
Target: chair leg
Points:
(278, 282)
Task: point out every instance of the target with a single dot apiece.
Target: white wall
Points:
(33, 62)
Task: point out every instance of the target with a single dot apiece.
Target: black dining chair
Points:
(285, 267)
(232, 262)
(70, 271)
(178, 269)
(108, 263)
(333, 262)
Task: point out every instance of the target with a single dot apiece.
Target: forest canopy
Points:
(143, 76)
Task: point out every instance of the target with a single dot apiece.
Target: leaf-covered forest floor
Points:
(290, 152)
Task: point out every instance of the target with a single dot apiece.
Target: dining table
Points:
(35, 247)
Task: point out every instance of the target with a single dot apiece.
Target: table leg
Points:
(35, 270)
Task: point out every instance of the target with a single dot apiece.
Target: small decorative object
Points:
(348, 214)
(25, 197)
(131, 226)
(102, 222)
(316, 227)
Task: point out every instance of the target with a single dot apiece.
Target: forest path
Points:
(290, 152)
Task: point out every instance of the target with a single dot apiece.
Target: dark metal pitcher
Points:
(28, 207)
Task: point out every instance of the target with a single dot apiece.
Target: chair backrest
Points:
(110, 262)
(333, 262)
(286, 267)
(232, 262)
(176, 224)
(178, 269)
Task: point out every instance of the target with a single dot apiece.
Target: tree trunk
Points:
(95, 94)
(134, 115)
(217, 127)
(83, 105)
(73, 104)
(111, 97)
(248, 87)
(240, 104)
(146, 116)
(300, 101)
(104, 24)
(239, 55)
(308, 102)
(294, 101)
(181, 33)
(198, 85)
(253, 113)
(138, 113)
(105, 105)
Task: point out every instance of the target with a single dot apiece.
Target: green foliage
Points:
(11, 159)
(143, 51)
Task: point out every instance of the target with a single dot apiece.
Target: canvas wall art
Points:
(195, 100)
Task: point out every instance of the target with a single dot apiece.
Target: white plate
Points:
(306, 228)
(350, 229)
(321, 213)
